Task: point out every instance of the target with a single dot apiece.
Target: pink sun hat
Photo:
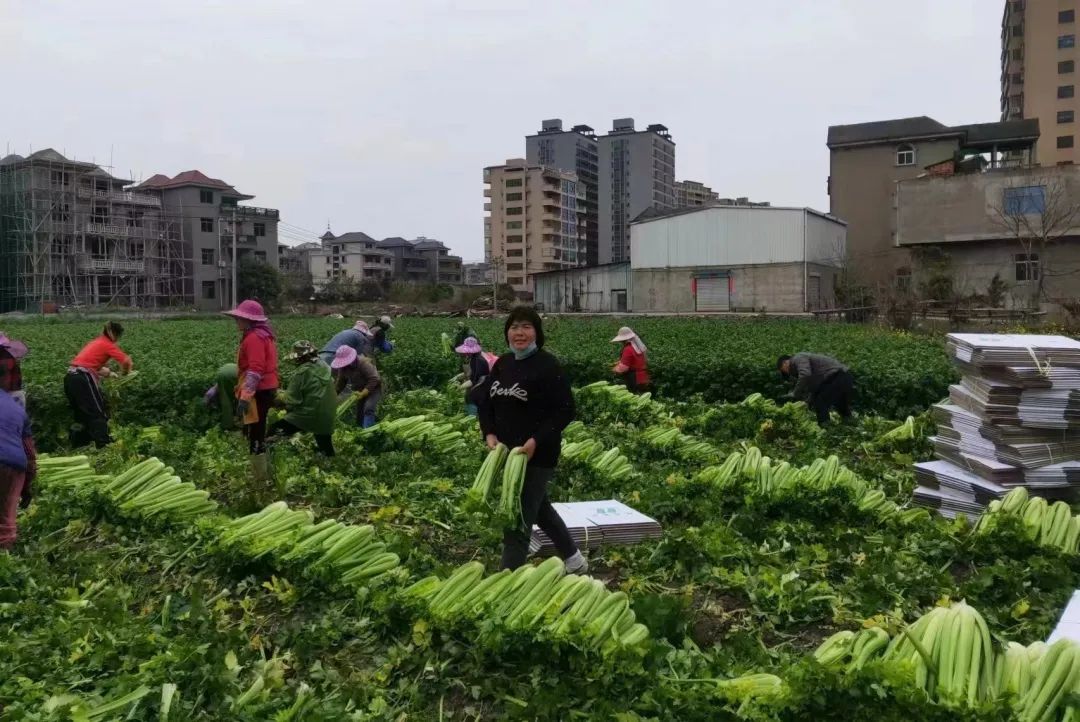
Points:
(343, 357)
(16, 348)
(470, 346)
(249, 310)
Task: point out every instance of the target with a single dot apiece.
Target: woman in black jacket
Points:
(526, 401)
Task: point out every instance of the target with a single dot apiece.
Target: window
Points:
(1017, 78)
(1025, 200)
(208, 256)
(513, 239)
(514, 253)
(1027, 266)
(1067, 41)
(1066, 91)
(1017, 6)
(513, 225)
(209, 289)
(207, 225)
(513, 183)
(1066, 16)
(514, 280)
(905, 155)
(260, 229)
(1065, 141)
(514, 211)
(1018, 30)
(206, 196)
(1066, 66)
(515, 267)
(260, 256)
(1017, 53)
(513, 196)
(1065, 116)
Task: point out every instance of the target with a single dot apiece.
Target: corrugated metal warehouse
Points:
(711, 259)
(596, 289)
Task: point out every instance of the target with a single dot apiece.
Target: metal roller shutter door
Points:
(712, 294)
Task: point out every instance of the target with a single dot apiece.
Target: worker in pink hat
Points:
(11, 352)
(633, 366)
(476, 366)
(352, 369)
(257, 380)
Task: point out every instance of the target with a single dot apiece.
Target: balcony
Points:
(113, 230)
(135, 199)
(487, 207)
(487, 193)
(250, 212)
(107, 264)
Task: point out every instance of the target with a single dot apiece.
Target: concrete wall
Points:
(968, 207)
(776, 288)
(973, 265)
(591, 290)
(861, 186)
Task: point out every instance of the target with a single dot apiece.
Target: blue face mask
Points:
(525, 352)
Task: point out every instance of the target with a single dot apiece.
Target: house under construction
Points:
(71, 235)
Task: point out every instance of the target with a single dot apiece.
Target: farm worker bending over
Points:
(257, 380)
(18, 461)
(462, 332)
(381, 342)
(823, 383)
(11, 351)
(83, 390)
(477, 365)
(310, 401)
(357, 371)
(223, 395)
(526, 402)
(633, 364)
(359, 337)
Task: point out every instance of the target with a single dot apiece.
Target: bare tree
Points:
(1037, 212)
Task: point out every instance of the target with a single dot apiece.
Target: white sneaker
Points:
(576, 564)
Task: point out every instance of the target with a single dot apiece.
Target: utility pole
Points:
(235, 240)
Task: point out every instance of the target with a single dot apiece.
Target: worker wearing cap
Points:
(359, 337)
(381, 343)
(462, 332)
(257, 380)
(82, 386)
(633, 365)
(351, 369)
(476, 364)
(11, 352)
(310, 402)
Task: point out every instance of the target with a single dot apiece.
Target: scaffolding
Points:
(71, 236)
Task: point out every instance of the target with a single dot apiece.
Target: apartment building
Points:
(70, 234)
(213, 222)
(356, 256)
(1039, 74)
(868, 160)
(637, 171)
(972, 221)
(691, 193)
(476, 274)
(572, 150)
(535, 221)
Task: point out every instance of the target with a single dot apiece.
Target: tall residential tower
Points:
(637, 172)
(572, 150)
(1038, 73)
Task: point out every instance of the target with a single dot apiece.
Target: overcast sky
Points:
(380, 116)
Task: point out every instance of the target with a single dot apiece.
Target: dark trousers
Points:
(835, 393)
(536, 509)
(324, 442)
(88, 405)
(256, 433)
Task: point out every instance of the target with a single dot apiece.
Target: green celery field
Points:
(153, 580)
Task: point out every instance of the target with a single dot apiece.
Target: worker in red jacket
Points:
(82, 386)
(257, 380)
